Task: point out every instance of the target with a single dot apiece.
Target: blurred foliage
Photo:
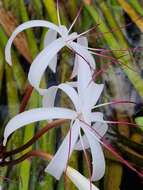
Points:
(119, 29)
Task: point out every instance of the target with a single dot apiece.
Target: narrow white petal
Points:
(26, 25)
(75, 68)
(81, 50)
(41, 62)
(84, 71)
(79, 146)
(81, 182)
(72, 94)
(96, 116)
(49, 97)
(100, 126)
(72, 84)
(59, 162)
(84, 76)
(50, 94)
(98, 161)
(35, 115)
(89, 92)
(95, 90)
(50, 36)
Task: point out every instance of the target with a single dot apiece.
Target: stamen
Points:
(117, 28)
(58, 14)
(124, 123)
(78, 14)
(83, 59)
(115, 102)
(113, 61)
(87, 31)
(103, 50)
(100, 71)
(111, 149)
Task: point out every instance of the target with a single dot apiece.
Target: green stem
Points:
(47, 143)
(113, 24)
(13, 108)
(11, 6)
(113, 176)
(73, 8)
(30, 34)
(51, 9)
(137, 6)
(17, 69)
(1, 68)
(37, 6)
(3, 170)
(25, 166)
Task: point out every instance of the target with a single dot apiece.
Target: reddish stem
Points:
(111, 149)
(26, 98)
(36, 137)
(32, 153)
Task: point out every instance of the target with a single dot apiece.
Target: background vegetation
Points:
(119, 27)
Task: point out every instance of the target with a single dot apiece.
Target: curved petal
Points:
(84, 73)
(49, 97)
(26, 25)
(98, 161)
(81, 182)
(82, 68)
(85, 54)
(50, 36)
(100, 128)
(72, 84)
(96, 116)
(79, 146)
(75, 68)
(41, 62)
(59, 162)
(34, 115)
(72, 94)
(95, 90)
(86, 86)
(50, 94)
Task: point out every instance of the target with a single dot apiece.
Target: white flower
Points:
(84, 98)
(79, 180)
(48, 56)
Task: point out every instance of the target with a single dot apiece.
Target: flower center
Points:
(79, 116)
(67, 38)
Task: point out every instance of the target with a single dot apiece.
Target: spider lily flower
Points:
(52, 45)
(83, 100)
(81, 182)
